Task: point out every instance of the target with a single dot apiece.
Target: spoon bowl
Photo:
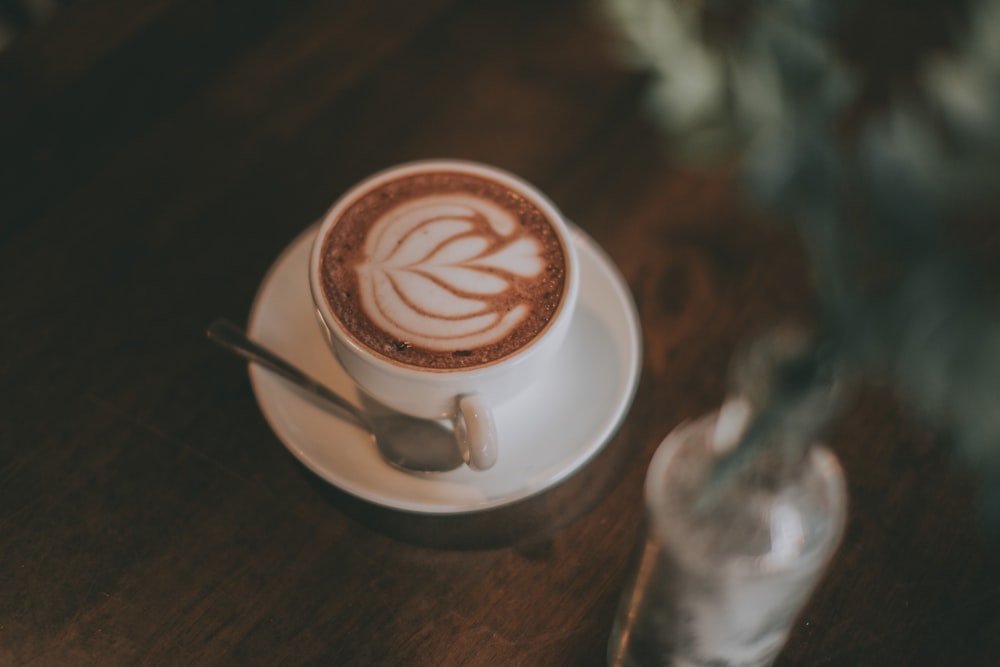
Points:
(408, 443)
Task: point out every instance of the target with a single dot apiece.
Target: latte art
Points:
(439, 271)
(442, 270)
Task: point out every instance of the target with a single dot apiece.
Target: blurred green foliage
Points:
(892, 177)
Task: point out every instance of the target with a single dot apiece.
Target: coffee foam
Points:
(443, 270)
(437, 279)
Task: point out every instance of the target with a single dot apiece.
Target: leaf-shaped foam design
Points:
(439, 268)
(397, 248)
(472, 281)
(460, 250)
(396, 310)
(427, 296)
(520, 257)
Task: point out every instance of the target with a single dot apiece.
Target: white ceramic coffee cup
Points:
(465, 396)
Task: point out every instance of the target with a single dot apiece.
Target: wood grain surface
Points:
(155, 158)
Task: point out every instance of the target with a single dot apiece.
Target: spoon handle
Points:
(231, 337)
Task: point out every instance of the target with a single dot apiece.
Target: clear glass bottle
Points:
(725, 567)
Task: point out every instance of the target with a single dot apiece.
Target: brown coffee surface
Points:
(443, 270)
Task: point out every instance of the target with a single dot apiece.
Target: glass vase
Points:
(722, 574)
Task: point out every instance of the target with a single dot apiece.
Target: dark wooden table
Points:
(157, 156)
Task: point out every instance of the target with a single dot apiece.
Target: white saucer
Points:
(547, 433)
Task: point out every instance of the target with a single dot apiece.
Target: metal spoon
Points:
(408, 443)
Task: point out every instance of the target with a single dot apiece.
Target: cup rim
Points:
(566, 304)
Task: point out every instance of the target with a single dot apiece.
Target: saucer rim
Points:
(577, 459)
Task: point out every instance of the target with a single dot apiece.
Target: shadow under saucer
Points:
(527, 524)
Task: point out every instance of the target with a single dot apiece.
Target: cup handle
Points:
(477, 432)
